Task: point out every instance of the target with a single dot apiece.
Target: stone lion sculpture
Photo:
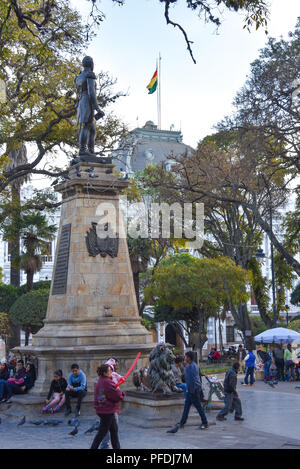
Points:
(158, 377)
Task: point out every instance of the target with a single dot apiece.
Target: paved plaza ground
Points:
(271, 421)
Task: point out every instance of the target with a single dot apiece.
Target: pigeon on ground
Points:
(74, 432)
(93, 428)
(52, 422)
(74, 421)
(36, 422)
(78, 172)
(174, 429)
(108, 171)
(22, 421)
(93, 175)
(271, 384)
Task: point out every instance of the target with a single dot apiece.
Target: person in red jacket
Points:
(107, 402)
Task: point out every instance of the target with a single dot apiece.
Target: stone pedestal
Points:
(92, 311)
(146, 411)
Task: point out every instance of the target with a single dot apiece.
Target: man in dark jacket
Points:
(231, 399)
(193, 388)
(267, 361)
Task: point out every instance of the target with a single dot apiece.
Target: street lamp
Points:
(260, 255)
(287, 313)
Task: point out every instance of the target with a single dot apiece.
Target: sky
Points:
(194, 97)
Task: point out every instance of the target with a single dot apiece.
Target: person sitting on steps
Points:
(76, 387)
(57, 391)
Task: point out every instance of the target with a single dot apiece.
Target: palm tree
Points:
(36, 234)
(16, 157)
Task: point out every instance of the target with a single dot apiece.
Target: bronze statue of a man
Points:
(87, 104)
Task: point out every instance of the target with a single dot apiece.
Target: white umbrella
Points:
(278, 335)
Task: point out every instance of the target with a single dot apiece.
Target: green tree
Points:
(8, 295)
(36, 233)
(295, 296)
(5, 327)
(29, 311)
(38, 71)
(39, 15)
(201, 286)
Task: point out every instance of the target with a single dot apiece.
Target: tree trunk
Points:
(29, 282)
(243, 323)
(27, 334)
(220, 332)
(202, 332)
(14, 251)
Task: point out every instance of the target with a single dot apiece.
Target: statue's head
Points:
(88, 62)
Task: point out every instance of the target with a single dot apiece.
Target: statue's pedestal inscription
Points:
(92, 311)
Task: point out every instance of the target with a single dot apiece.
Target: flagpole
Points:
(159, 92)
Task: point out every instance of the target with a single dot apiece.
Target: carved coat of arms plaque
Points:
(103, 246)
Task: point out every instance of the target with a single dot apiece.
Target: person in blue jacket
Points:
(193, 389)
(250, 362)
(76, 387)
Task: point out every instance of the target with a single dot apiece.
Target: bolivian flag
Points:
(153, 83)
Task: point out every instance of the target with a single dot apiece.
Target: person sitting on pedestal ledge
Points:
(57, 392)
(20, 385)
(76, 388)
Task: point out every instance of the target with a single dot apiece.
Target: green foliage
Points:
(291, 227)
(185, 281)
(258, 325)
(294, 325)
(8, 295)
(295, 296)
(148, 324)
(5, 329)
(29, 310)
(36, 231)
(38, 66)
(40, 285)
(187, 288)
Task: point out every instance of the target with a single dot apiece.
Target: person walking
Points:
(231, 399)
(107, 403)
(250, 362)
(114, 364)
(193, 388)
(279, 361)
